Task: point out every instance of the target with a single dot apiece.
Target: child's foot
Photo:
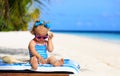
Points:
(59, 62)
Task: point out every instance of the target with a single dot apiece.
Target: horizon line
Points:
(87, 31)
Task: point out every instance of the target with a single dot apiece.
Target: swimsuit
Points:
(41, 49)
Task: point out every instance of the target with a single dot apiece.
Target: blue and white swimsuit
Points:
(41, 49)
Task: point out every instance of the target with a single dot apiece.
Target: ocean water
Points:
(111, 37)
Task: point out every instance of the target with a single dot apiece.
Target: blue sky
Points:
(94, 15)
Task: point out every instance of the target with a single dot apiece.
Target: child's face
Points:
(41, 33)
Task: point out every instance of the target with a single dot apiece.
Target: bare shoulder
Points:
(32, 43)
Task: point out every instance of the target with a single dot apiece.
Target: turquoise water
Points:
(113, 37)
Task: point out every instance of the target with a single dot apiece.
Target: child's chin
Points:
(41, 40)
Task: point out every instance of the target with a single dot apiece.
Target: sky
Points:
(83, 15)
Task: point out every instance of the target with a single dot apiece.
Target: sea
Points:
(107, 36)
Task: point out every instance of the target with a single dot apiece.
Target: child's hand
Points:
(43, 61)
(50, 34)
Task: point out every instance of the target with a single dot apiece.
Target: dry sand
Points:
(96, 57)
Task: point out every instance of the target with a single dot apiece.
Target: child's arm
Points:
(49, 43)
(34, 52)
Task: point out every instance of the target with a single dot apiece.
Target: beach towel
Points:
(69, 66)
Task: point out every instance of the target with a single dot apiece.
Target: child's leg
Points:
(52, 60)
(34, 62)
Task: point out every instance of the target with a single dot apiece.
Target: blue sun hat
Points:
(40, 23)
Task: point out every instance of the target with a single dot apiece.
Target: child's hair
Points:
(37, 23)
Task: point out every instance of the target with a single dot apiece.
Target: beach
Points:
(96, 57)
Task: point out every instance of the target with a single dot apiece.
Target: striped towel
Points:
(68, 66)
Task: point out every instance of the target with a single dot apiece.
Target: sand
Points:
(96, 57)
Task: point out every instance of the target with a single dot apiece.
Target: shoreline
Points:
(89, 31)
(110, 40)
